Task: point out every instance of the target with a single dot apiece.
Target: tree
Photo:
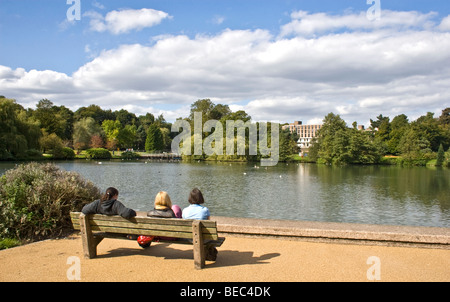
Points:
(125, 117)
(413, 145)
(126, 136)
(154, 141)
(444, 119)
(333, 128)
(83, 130)
(94, 111)
(440, 156)
(444, 125)
(205, 106)
(96, 141)
(111, 129)
(428, 128)
(17, 133)
(399, 125)
(338, 144)
(54, 119)
(51, 143)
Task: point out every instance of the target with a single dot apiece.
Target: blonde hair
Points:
(162, 201)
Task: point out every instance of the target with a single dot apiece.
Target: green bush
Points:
(129, 155)
(33, 154)
(64, 153)
(36, 200)
(98, 153)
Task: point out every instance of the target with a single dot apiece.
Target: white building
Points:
(305, 133)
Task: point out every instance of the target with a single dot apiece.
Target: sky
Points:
(279, 60)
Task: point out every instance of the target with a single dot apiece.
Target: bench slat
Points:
(152, 220)
(127, 224)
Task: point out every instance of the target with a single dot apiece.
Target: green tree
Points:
(428, 128)
(125, 117)
(95, 112)
(444, 119)
(83, 131)
(52, 144)
(126, 136)
(444, 125)
(154, 141)
(440, 156)
(17, 133)
(362, 148)
(337, 144)
(54, 119)
(413, 145)
(112, 129)
(328, 136)
(399, 125)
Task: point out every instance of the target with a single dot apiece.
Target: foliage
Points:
(36, 200)
(98, 153)
(64, 153)
(440, 156)
(154, 141)
(8, 243)
(17, 133)
(83, 131)
(50, 128)
(129, 155)
(338, 144)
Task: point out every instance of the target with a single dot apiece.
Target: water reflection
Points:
(359, 194)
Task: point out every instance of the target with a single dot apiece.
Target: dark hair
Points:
(196, 197)
(110, 193)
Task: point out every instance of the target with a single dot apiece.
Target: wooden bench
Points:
(202, 234)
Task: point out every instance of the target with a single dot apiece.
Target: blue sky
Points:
(278, 60)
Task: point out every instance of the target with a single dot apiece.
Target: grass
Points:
(8, 243)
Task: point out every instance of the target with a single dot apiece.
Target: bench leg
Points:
(199, 250)
(89, 241)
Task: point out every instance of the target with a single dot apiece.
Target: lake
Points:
(390, 195)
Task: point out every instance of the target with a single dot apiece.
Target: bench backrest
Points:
(164, 227)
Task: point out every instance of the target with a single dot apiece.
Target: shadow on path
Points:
(169, 251)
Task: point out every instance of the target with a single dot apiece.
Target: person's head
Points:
(162, 201)
(111, 193)
(196, 197)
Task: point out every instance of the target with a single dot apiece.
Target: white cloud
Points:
(399, 67)
(218, 20)
(307, 24)
(445, 24)
(98, 5)
(124, 21)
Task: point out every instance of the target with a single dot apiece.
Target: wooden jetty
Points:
(161, 156)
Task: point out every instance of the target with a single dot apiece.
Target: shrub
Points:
(36, 200)
(98, 153)
(129, 155)
(64, 153)
(33, 154)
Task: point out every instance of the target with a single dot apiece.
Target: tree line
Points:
(25, 133)
(415, 142)
(50, 128)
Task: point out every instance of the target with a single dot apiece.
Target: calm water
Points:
(357, 194)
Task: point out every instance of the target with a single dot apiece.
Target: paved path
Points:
(240, 260)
